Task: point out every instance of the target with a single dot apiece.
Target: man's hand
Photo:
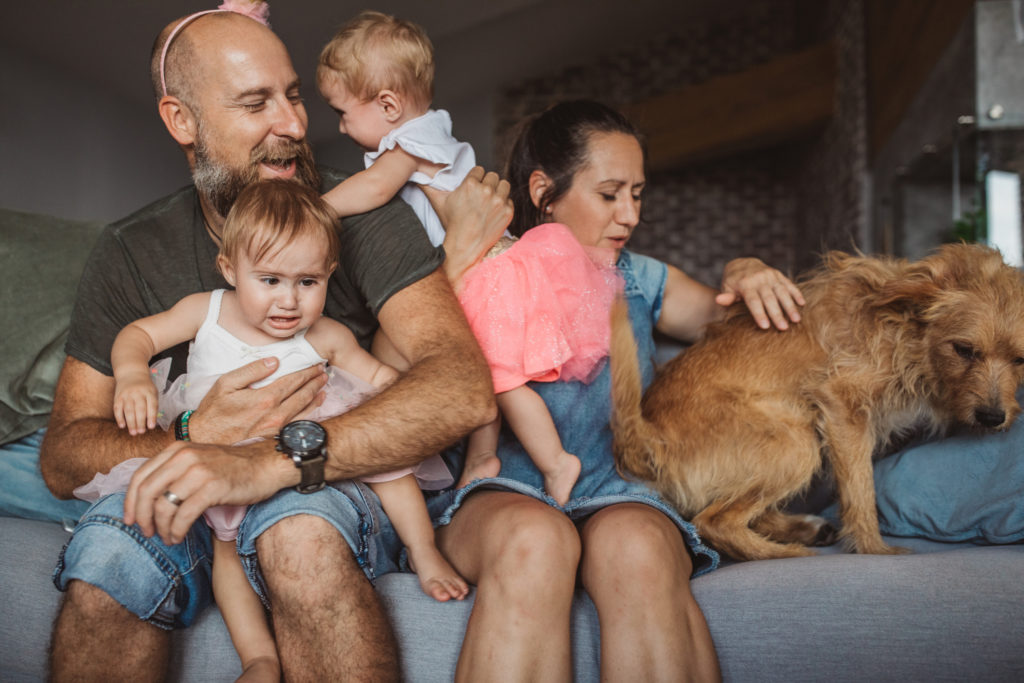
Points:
(474, 216)
(770, 295)
(170, 491)
(231, 411)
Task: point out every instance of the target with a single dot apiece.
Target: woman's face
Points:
(602, 205)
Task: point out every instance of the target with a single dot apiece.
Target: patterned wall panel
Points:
(781, 204)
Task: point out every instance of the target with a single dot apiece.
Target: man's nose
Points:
(291, 122)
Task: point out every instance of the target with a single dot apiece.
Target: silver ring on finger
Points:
(172, 498)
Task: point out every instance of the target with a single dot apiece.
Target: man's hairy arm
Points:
(445, 394)
(82, 437)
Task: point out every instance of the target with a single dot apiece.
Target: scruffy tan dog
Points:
(737, 425)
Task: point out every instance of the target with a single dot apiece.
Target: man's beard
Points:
(221, 184)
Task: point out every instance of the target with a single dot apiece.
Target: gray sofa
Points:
(950, 611)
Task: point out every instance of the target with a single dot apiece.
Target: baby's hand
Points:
(135, 404)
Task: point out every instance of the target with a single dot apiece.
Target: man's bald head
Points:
(186, 58)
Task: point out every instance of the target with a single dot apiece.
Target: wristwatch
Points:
(304, 442)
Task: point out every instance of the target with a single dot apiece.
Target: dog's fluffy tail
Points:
(633, 435)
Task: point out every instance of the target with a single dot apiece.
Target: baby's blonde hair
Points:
(376, 51)
(269, 214)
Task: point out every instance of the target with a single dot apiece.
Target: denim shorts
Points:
(169, 586)
(23, 492)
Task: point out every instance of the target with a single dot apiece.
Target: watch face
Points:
(304, 436)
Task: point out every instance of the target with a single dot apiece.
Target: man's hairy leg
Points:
(328, 620)
(96, 639)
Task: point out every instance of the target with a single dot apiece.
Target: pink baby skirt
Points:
(540, 309)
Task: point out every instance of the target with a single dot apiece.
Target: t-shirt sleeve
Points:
(108, 298)
(385, 251)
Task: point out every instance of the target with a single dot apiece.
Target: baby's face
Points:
(363, 121)
(284, 291)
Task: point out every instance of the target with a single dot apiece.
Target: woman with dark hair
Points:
(581, 164)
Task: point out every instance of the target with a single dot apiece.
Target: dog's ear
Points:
(909, 290)
(950, 268)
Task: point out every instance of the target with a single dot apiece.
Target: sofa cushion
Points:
(41, 259)
(947, 612)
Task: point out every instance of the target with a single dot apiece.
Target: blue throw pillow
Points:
(962, 488)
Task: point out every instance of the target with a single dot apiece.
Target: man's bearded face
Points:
(221, 183)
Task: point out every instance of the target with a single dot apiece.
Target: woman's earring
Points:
(547, 209)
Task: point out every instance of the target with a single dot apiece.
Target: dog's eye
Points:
(1018, 361)
(964, 351)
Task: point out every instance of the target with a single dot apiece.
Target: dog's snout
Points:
(989, 416)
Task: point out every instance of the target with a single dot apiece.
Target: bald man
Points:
(229, 96)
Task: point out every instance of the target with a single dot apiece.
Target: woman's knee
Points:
(539, 539)
(634, 541)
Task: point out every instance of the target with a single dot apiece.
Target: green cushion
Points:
(41, 259)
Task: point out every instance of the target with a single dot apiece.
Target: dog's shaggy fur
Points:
(737, 425)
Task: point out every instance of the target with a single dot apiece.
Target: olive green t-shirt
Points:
(147, 262)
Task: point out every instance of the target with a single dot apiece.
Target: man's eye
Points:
(253, 106)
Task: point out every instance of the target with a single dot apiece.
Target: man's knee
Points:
(84, 600)
(302, 551)
(95, 638)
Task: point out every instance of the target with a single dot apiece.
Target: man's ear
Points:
(390, 105)
(540, 183)
(226, 269)
(178, 119)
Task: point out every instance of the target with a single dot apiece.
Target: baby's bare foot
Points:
(438, 579)
(559, 480)
(482, 466)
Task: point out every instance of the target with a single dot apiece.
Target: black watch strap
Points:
(312, 473)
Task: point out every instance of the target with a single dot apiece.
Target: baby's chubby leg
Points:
(244, 616)
(529, 418)
(482, 454)
(403, 503)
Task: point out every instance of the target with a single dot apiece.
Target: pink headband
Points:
(259, 11)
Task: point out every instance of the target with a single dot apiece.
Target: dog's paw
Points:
(827, 535)
(881, 548)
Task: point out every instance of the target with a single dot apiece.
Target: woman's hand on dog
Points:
(771, 297)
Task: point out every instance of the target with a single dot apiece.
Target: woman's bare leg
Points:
(529, 418)
(522, 555)
(403, 503)
(637, 569)
(244, 616)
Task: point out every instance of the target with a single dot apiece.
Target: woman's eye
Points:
(607, 197)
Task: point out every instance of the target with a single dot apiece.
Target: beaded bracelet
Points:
(181, 426)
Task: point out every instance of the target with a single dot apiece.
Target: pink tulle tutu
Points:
(343, 392)
(540, 309)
